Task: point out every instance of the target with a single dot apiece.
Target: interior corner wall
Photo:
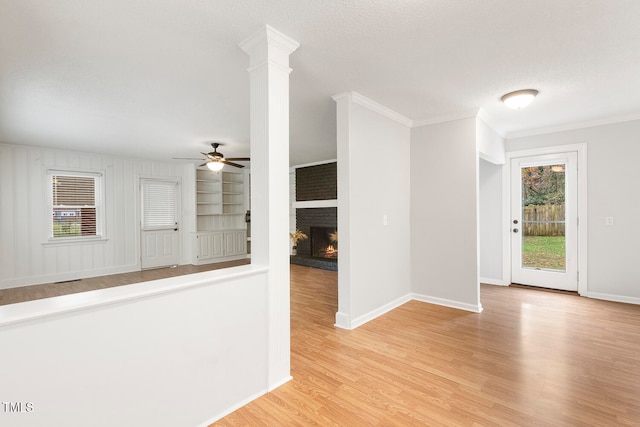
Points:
(491, 223)
(444, 214)
(612, 191)
(491, 151)
(373, 212)
(490, 144)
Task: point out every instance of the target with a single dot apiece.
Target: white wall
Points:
(26, 259)
(490, 143)
(444, 214)
(374, 266)
(491, 224)
(613, 152)
(182, 351)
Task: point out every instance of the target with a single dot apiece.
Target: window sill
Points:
(61, 241)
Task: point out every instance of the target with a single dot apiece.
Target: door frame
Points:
(581, 150)
(553, 279)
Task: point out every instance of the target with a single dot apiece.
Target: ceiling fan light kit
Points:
(215, 160)
(215, 165)
(519, 99)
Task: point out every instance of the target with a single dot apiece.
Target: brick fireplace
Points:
(325, 219)
(317, 183)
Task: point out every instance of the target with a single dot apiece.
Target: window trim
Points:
(100, 235)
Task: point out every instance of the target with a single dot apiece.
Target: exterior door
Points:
(160, 232)
(544, 221)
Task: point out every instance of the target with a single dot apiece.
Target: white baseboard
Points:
(497, 282)
(62, 277)
(342, 321)
(220, 259)
(448, 303)
(614, 298)
(279, 383)
(232, 409)
(361, 320)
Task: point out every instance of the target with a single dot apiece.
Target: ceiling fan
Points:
(215, 160)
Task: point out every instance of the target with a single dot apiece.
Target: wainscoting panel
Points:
(28, 257)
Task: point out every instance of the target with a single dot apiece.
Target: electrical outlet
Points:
(608, 220)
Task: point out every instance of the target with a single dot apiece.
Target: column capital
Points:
(269, 45)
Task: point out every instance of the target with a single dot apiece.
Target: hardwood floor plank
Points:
(48, 290)
(531, 358)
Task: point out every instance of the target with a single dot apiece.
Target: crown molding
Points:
(488, 120)
(573, 126)
(363, 101)
(446, 118)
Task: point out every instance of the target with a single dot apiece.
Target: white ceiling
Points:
(163, 78)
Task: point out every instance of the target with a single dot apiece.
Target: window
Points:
(76, 205)
(159, 204)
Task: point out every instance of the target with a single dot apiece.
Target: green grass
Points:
(543, 252)
(67, 229)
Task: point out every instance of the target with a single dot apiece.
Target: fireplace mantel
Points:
(333, 203)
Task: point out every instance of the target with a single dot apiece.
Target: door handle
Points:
(515, 230)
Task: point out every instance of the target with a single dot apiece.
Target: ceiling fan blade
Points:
(239, 159)
(204, 164)
(209, 155)
(235, 165)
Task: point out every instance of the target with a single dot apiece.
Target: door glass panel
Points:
(543, 217)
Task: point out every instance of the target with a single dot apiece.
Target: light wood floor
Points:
(48, 290)
(532, 358)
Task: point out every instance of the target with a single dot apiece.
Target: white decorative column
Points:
(269, 70)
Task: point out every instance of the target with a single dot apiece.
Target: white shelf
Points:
(220, 200)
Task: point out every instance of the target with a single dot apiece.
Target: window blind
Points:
(75, 205)
(159, 204)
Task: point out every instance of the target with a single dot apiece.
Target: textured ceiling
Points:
(163, 78)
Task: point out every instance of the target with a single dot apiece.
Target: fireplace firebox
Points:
(324, 242)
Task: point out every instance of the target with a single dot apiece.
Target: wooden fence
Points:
(545, 220)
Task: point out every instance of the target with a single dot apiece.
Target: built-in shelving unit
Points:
(220, 214)
(232, 193)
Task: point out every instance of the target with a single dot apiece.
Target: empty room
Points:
(319, 213)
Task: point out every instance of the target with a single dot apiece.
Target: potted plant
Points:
(296, 237)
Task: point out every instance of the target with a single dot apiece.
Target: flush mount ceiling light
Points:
(519, 99)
